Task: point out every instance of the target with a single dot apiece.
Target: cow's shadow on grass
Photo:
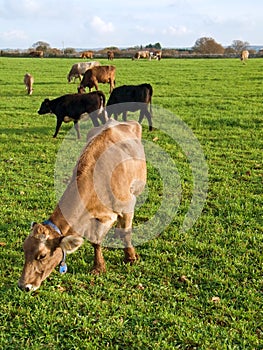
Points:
(35, 131)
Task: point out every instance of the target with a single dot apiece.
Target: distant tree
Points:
(149, 46)
(156, 46)
(230, 51)
(69, 51)
(41, 45)
(239, 45)
(208, 46)
(111, 48)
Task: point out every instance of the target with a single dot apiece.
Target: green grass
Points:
(148, 305)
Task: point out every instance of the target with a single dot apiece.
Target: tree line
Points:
(205, 46)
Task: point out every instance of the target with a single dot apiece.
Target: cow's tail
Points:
(102, 109)
(150, 93)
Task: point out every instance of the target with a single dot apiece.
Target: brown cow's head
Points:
(44, 249)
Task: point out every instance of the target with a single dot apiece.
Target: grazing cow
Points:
(109, 175)
(110, 55)
(71, 107)
(131, 98)
(78, 69)
(36, 53)
(142, 54)
(156, 55)
(244, 55)
(87, 54)
(28, 81)
(100, 74)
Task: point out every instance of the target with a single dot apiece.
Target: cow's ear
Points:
(71, 243)
(33, 223)
(39, 232)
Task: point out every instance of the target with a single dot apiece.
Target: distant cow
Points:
(156, 55)
(142, 54)
(71, 107)
(131, 98)
(109, 175)
(36, 53)
(110, 55)
(86, 54)
(28, 81)
(244, 55)
(78, 69)
(100, 74)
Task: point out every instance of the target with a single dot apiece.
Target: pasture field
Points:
(199, 288)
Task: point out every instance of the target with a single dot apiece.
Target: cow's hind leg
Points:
(147, 114)
(94, 118)
(76, 125)
(124, 231)
(124, 116)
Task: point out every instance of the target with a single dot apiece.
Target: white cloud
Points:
(145, 30)
(13, 35)
(100, 26)
(176, 31)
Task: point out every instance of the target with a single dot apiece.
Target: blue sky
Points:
(95, 24)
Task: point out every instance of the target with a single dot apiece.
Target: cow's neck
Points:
(58, 219)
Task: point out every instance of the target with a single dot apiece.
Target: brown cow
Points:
(109, 174)
(100, 74)
(110, 55)
(28, 81)
(36, 53)
(86, 54)
(244, 55)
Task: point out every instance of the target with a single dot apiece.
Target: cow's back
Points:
(99, 74)
(112, 167)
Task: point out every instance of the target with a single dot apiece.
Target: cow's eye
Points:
(41, 256)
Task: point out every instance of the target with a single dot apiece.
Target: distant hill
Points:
(255, 47)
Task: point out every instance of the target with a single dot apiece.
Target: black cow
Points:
(131, 98)
(70, 107)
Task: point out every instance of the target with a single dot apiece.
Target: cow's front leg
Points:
(124, 231)
(59, 122)
(99, 263)
(96, 85)
(76, 126)
(112, 84)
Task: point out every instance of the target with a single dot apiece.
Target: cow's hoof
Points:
(131, 260)
(98, 270)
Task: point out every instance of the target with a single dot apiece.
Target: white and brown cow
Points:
(109, 174)
(28, 81)
(78, 69)
(142, 54)
(156, 55)
(244, 55)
